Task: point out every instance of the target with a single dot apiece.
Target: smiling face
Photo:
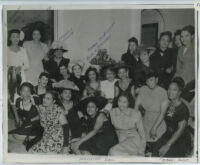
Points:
(123, 102)
(152, 82)
(64, 71)
(92, 109)
(66, 95)
(173, 91)
(186, 38)
(15, 38)
(48, 100)
(164, 42)
(177, 41)
(92, 75)
(144, 56)
(77, 70)
(122, 73)
(43, 81)
(36, 35)
(110, 75)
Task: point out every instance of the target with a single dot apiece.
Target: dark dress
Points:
(40, 96)
(160, 61)
(77, 126)
(127, 91)
(79, 82)
(100, 143)
(53, 69)
(140, 73)
(131, 61)
(28, 128)
(173, 116)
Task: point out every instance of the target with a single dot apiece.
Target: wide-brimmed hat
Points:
(121, 65)
(58, 45)
(99, 101)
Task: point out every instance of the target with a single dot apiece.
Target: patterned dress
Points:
(53, 137)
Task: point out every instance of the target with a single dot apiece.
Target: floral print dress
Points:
(53, 137)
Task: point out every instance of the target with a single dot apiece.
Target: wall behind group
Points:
(168, 19)
(85, 31)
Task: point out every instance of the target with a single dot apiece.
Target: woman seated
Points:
(27, 116)
(92, 83)
(101, 136)
(124, 85)
(152, 101)
(77, 77)
(52, 119)
(42, 86)
(176, 141)
(65, 82)
(129, 128)
(75, 119)
(107, 86)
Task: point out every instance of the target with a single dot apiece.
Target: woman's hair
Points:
(179, 82)
(26, 84)
(151, 74)
(65, 67)
(89, 70)
(9, 35)
(126, 96)
(36, 29)
(54, 95)
(166, 33)
(189, 29)
(133, 39)
(44, 74)
(177, 33)
(76, 65)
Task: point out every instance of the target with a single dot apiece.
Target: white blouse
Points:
(107, 88)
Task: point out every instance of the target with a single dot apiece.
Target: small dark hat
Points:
(99, 101)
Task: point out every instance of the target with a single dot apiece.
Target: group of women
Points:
(136, 107)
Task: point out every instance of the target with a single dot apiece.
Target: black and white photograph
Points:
(100, 82)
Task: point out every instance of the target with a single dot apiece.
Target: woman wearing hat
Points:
(56, 60)
(154, 101)
(124, 85)
(36, 51)
(101, 134)
(27, 115)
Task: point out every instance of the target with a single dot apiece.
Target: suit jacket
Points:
(185, 66)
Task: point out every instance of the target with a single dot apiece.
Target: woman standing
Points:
(92, 83)
(101, 136)
(129, 128)
(153, 99)
(176, 141)
(52, 119)
(16, 55)
(124, 85)
(36, 51)
(185, 67)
